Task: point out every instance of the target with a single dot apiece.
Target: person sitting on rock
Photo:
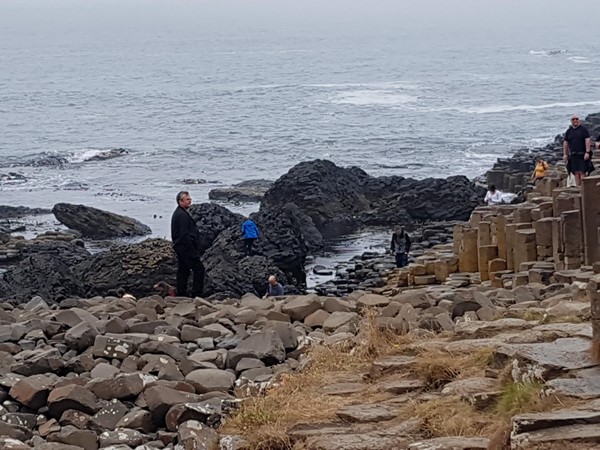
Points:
(541, 167)
(493, 196)
(249, 235)
(400, 246)
(274, 289)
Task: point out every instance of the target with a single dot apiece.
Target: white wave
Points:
(579, 59)
(548, 52)
(374, 85)
(491, 109)
(84, 154)
(373, 97)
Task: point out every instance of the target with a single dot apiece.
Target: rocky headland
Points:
(482, 342)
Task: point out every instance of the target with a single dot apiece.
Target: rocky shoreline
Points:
(482, 342)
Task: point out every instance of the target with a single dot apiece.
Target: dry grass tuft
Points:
(298, 398)
(439, 367)
(450, 416)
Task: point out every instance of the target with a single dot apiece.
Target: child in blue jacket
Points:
(249, 235)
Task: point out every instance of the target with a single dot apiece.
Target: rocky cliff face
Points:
(339, 200)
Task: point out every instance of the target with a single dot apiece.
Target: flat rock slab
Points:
(529, 422)
(566, 329)
(476, 329)
(472, 345)
(469, 386)
(571, 433)
(562, 354)
(371, 441)
(343, 388)
(391, 364)
(402, 386)
(367, 413)
(451, 443)
(584, 388)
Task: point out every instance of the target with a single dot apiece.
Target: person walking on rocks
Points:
(576, 149)
(250, 234)
(274, 289)
(186, 243)
(400, 246)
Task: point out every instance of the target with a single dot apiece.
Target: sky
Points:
(276, 14)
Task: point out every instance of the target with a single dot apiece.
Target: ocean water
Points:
(231, 91)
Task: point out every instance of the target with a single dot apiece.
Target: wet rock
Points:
(98, 224)
(246, 191)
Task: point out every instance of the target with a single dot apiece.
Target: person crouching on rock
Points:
(186, 243)
(541, 167)
(274, 289)
(400, 246)
(493, 196)
(249, 235)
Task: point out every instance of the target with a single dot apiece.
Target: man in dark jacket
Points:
(400, 246)
(186, 243)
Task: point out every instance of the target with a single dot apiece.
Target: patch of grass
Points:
(298, 397)
(450, 416)
(519, 398)
(439, 367)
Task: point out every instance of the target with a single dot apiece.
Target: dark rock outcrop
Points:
(246, 191)
(135, 267)
(287, 237)
(96, 223)
(211, 220)
(40, 274)
(11, 212)
(339, 200)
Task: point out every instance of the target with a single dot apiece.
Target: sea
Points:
(227, 91)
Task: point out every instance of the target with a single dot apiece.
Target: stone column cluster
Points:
(556, 229)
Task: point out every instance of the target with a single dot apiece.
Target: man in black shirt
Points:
(186, 242)
(576, 149)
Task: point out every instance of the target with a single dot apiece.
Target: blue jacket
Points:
(249, 230)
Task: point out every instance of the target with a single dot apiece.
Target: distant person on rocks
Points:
(274, 289)
(541, 167)
(250, 234)
(576, 149)
(493, 196)
(400, 246)
(186, 243)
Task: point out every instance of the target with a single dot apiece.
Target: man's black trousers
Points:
(185, 263)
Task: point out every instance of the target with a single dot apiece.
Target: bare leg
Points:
(579, 176)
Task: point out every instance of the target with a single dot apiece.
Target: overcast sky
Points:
(279, 14)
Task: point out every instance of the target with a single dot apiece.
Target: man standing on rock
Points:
(576, 149)
(400, 246)
(186, 243)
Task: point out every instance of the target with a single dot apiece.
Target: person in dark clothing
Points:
(186, 243)
(400, 246)
(576, 149)
(274, 289)
(250, 234)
